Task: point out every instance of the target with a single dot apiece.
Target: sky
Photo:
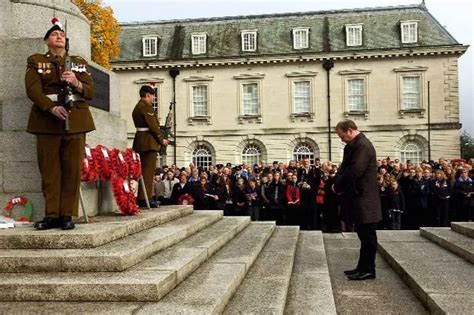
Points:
(456, 15)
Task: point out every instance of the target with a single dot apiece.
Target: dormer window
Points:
(354, 34)
(198, 43)
(300, 38)
(249, 40)
(409, 31)
(150, 46)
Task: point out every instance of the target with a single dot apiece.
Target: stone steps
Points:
(265, 287)
(115, 256)
(148, 281)
(105, 230)
(310, 290)
(466, 228)
(441, 280)
(211, 286)
(459, 244)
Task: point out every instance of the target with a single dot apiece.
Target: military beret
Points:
(56, 27)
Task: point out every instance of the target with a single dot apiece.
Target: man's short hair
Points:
(345, 125)
(146, 89)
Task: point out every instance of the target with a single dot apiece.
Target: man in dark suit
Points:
(356, 185)
(147, 142)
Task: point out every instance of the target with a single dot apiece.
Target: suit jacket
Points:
(356, 183)
(43, 77)
(144, 117)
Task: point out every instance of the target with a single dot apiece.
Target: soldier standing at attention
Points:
(148, 140)
(60, 152)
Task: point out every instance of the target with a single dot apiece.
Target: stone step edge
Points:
(235, 307)
(113, 231)
(97, 263)
(166, 306)
(307, 248)
(419, 292)
(450, 246)
(461, 229)
(118, 292)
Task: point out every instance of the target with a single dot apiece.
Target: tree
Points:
(105, 31)
(467, 146)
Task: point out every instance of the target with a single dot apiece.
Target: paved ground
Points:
(387, 294)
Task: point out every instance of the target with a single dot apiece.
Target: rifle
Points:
(65, 97)
(167, 129)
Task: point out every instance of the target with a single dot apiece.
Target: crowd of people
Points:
(301, 193)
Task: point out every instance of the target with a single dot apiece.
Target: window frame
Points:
(242, 37)
(404, 152)
(209, 157)
(310, 155)
(193, 108)
(406, 37)
(360, 38)
(259, 155)
(144, 45)
(300, 29)
(359, 74)
(199, 36)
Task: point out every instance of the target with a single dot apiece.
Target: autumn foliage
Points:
(105, 31)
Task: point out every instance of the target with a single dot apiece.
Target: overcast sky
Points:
(455, 15)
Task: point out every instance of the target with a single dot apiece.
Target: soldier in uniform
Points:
(148, 140)
(60, 152)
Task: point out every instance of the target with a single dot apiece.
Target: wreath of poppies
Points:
(101, 163)
(185, 199)
(25, 215)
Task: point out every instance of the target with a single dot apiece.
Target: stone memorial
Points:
(22, 27)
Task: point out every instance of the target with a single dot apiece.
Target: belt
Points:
(75, 97)
(143, 129)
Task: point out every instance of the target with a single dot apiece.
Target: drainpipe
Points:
(328, 65)
(174, 72)
(429, 121)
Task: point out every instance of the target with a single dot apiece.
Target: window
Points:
(200, 101)
(356, 95)
(300, 38)
(155, 103)
(412, 151)
(353, 35)
(198, 44)
(409, 30)
(250, 101)
(202, 156)
(150, 46)
(249, 40)
(411, 92)
(302, 97)
(302, 151)
(251, 154)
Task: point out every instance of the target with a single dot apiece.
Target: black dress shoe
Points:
(66, 223)
(351, 272)
(47, 223)
(362, 276)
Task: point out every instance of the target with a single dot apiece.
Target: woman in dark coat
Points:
(204, 195)
(441, 190)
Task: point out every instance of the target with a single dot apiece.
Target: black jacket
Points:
(356, 183)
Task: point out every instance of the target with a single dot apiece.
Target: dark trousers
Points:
(148, 160)
(59, 160)
(368, 246)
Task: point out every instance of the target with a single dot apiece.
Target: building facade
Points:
(272, 87)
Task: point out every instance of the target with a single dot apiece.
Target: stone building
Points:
(272, 87)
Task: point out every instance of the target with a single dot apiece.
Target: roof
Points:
(381, 30)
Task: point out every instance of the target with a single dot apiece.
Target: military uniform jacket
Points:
(43, 77)
(144, 117)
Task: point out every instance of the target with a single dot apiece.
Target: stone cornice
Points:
(260, 60)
